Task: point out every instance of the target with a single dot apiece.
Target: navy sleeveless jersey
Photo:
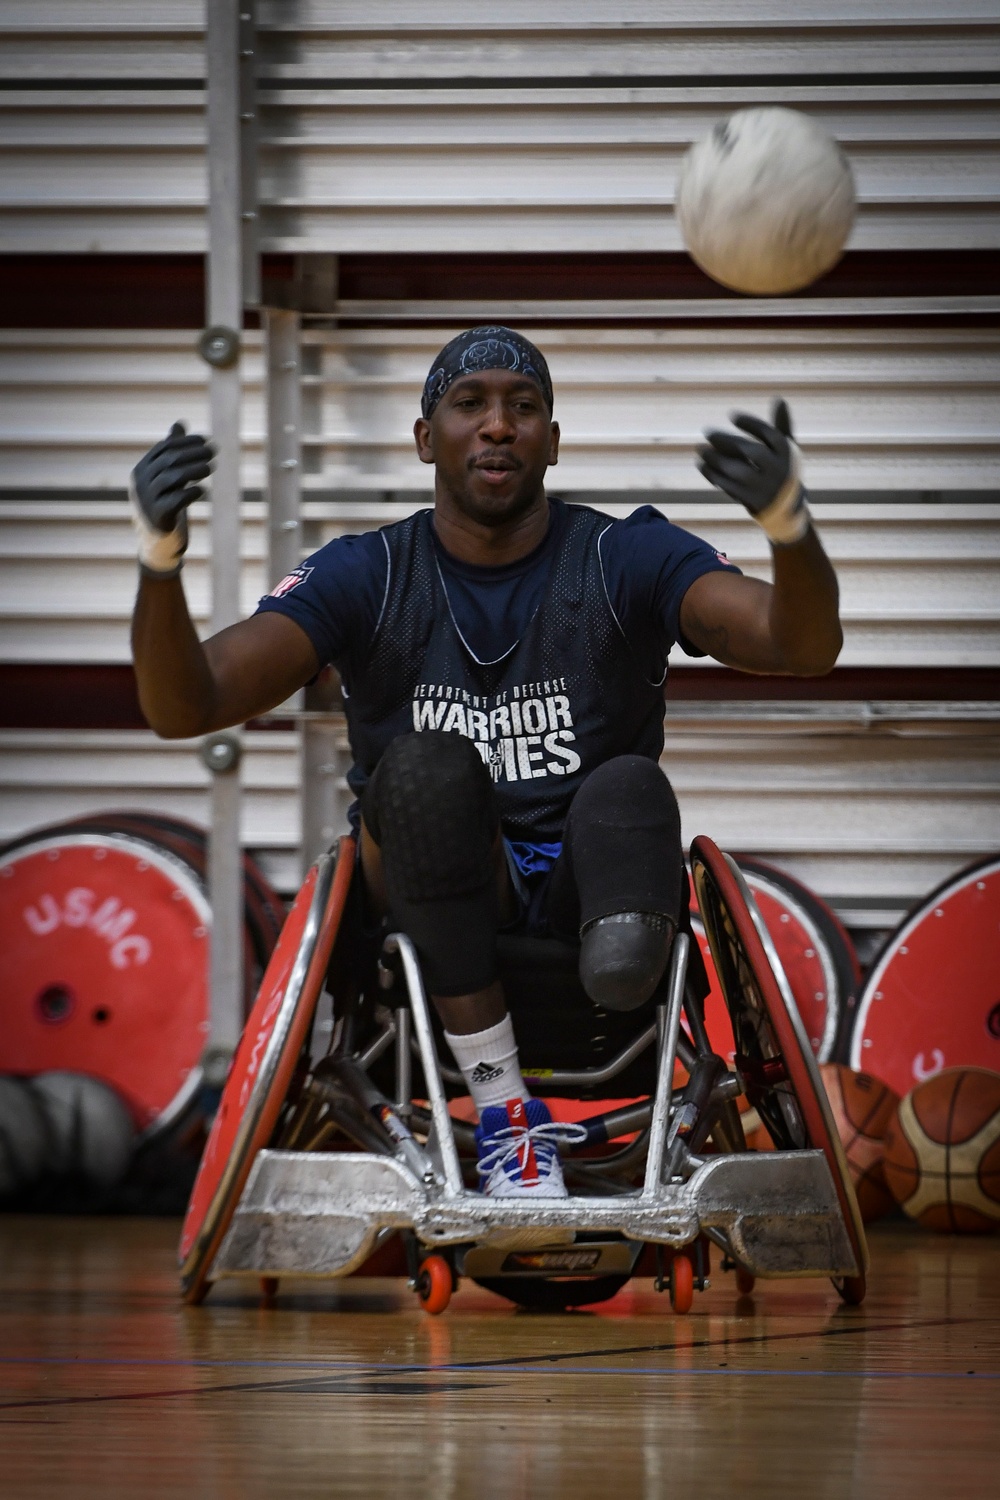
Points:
(566, 697)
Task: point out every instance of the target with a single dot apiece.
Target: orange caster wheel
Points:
(434, 1284)
(681, 1282)
(745, 1281)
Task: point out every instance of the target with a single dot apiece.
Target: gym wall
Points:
(413, 177)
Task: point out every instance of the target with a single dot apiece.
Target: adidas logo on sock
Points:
(485, 1072)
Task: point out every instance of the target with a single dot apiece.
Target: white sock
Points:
(489, 1064)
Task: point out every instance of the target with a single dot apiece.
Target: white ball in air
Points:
(765, 201)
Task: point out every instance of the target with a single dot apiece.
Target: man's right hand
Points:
(161, 487)
(762, 472)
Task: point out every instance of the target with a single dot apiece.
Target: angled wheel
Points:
(773, 1056)
(815, 950)
(851, 1289)
(264, 1062)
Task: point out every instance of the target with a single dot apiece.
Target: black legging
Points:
(621, 848)
(431, 807)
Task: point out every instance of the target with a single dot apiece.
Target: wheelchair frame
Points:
(265, 1207)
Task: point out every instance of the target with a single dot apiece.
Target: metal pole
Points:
(667, 1053)
(220, 346)
(404, 1062)
(249, 134)
(284, 442)
(320, 759)
(317, 747)
(322, 767)
(398, 942)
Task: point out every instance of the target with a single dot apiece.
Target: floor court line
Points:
(323, 1383)
(353, 1367)
(727, 1341)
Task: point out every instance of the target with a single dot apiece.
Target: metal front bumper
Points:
(320, 1214)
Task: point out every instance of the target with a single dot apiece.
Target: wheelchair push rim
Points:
(774, 1058)
(263, 1064)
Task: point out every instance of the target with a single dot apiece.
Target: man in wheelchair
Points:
(503, 660)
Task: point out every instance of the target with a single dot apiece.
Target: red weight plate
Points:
(105, 944)
(263, 910)
(932, 1000)
(835, 934)
(806, 960)
(780, 1072)
(264, 1062)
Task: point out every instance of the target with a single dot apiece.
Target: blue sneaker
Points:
(518, 1145)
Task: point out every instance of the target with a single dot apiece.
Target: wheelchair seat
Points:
(559, 1029)
(568, 1046)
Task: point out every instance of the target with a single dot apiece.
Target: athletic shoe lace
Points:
(515, 1142)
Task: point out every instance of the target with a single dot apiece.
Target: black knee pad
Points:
(431, 808)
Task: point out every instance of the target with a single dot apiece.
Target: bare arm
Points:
(790, 627)
(187, 687)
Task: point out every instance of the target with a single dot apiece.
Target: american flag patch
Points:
(289, 582)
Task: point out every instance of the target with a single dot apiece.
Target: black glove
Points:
(161, 487)
(763, 472)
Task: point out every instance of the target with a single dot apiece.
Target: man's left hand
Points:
(762, 471)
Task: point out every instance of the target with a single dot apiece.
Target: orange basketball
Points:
(942, 1151)
(862, 1108)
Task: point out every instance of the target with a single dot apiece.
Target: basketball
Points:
(862, 1108)
(23, 1137)
(90, 1130)
(942, 1152)
(765, 201)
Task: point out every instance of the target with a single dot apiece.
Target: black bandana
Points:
(492, 348)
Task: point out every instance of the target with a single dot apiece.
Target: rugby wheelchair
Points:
(344, 1157)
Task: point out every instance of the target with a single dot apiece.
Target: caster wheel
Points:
(851, 1289)
(435, 1284)
(745, 1281)
(268, 1290)
(681, 1284)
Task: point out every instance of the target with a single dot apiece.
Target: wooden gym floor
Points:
(111, 1388)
